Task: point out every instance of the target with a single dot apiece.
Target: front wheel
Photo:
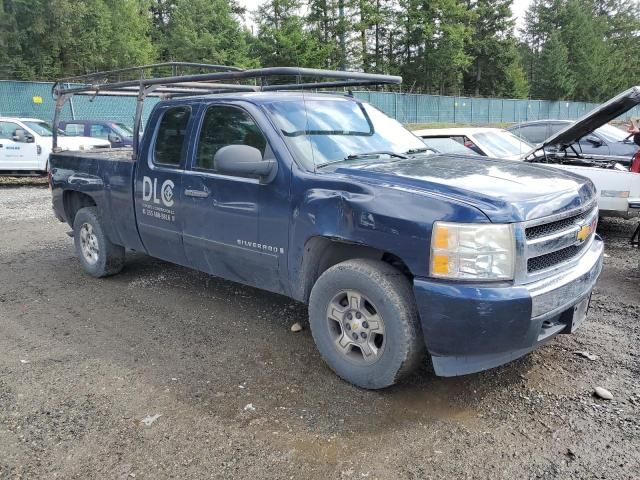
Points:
(364, 322)
(98, 255)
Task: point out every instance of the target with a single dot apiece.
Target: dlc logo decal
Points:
(157, 203)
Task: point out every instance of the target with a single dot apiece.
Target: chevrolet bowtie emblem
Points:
(583, 233)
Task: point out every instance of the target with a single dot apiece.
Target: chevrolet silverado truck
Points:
(398, 251)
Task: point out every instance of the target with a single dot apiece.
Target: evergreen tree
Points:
(555, 79)
(493, 50)
(54, 38)
(435, 33)
(584, 35)
(282, 38)
(205, 31)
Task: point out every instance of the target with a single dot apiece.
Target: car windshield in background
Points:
(447, 145)
(41, 128)
(122, 130)
(321, 132)
(611, 133)
(502, 144)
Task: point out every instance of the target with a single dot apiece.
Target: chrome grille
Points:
(549, 260)
(550, 246)
(538, 231)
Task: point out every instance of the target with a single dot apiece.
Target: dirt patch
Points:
(83, 361)
(26, 180)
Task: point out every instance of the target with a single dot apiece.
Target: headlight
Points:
(472, 251)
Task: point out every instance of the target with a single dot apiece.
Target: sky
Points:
(519, 7)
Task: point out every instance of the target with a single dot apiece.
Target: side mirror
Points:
(113, 138)
(244, 161)
(22, 136)
(595, 141)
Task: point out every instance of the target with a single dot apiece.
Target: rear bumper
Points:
(469, 328)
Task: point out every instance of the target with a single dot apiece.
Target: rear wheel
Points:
(364, 322)
(98, 255)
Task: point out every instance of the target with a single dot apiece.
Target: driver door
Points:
(235, 227)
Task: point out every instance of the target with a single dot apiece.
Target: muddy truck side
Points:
(400, 253)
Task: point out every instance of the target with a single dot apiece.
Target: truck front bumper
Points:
(473, 327)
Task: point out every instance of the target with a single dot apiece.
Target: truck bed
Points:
(106, 175)
(117, 154)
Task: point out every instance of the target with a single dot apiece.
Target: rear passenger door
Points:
(159, 184)
(229, 227)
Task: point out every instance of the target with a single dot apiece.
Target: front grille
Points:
(552, 259)
(551, 245)
(554, 227)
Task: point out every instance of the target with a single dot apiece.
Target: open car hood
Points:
(595, 118)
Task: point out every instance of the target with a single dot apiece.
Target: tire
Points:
(382, 297)
(98, 256)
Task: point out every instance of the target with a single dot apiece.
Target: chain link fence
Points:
(33, 99)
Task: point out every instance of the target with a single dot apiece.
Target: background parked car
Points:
(25, 144)
(618, 186)
(489, 142)
(447, 145)
(118, 134)
(605, 140)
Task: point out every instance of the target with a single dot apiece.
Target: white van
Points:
(25, 144)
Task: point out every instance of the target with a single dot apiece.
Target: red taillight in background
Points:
(635, 163)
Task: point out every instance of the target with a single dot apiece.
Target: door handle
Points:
(196, 193)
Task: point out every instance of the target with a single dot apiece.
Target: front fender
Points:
(387, 219)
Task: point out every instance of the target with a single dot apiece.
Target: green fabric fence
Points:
(33, 99)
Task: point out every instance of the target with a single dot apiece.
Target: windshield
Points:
(447, 145)
(501, 144)
(122, 130)
(325, 131)
(41, 128)
(611, 133)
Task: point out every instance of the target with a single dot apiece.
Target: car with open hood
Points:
(618, 187)
(607, 140)
(485, 141)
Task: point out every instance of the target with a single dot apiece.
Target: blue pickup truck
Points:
(398, 251)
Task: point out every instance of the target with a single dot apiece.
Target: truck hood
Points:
(77, 143)
(505, 191)
(595, 118)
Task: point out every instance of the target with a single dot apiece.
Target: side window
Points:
(171, 135)
(7, 130)
(99, 131)
(74, 129)
(538, 133)
(224, 125)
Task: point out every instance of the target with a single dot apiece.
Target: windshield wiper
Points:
(353, 156)
(418, 150)
(357, 156)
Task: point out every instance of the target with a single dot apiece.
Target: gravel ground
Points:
(83, 362)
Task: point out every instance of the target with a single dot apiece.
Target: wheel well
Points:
(322, 253)
(74, 201)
